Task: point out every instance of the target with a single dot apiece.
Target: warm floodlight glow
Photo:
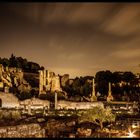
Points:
(131, 134)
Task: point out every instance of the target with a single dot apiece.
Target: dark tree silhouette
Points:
(19, 62)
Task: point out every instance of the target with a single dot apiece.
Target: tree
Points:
(20, 62)
(33, 67)
(24, 95)
(97, 115)
(5, 62)
(128, 77)
(42, 68)
(116, 77)
(80, 86)
(102, 78)
(87, 89)
(13, 61)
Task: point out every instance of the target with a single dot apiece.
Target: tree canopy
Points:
(19, 62)
(97, 115)
(80, 86)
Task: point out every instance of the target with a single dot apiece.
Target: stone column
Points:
(48, 76)
(44, 77)
(44, 109)
(6, 89)
(56, 84)
(93, 97)
(40, 81)
(110, 97)
(6, 69)
(55, 100)
(48, 80)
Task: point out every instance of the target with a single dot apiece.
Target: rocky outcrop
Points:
(13, 77)
(9, 100)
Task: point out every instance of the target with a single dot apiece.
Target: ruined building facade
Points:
(48, 81)
(12, 77)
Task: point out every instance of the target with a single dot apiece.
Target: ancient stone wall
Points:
(78, 105)
(22, 131)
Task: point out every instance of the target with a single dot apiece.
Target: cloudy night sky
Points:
(75, 38)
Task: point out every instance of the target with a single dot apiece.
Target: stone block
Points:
(71, 123)
(3, 132)
(71, 135)
(12, 128)
(84, 132)
(13, 134)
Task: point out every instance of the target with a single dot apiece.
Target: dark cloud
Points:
(74, 38)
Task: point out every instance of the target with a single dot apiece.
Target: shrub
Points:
(16, 115)
(6, 115)
(24, 95)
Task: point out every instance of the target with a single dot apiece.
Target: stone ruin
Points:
(32, 130)
(34, 104)
(61, 104)
(9, 100)
(10, 77)
(48, 81)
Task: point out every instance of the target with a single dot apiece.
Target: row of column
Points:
(94, 98)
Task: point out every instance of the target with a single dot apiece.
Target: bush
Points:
(34, 93)
(24, 95)
(51, 96)
(6, 115)
(10, 115)
(16, 115)
(43, 96)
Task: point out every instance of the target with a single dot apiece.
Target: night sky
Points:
(74, 38)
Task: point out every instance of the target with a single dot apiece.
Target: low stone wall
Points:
(78, 105)
(22, 131)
